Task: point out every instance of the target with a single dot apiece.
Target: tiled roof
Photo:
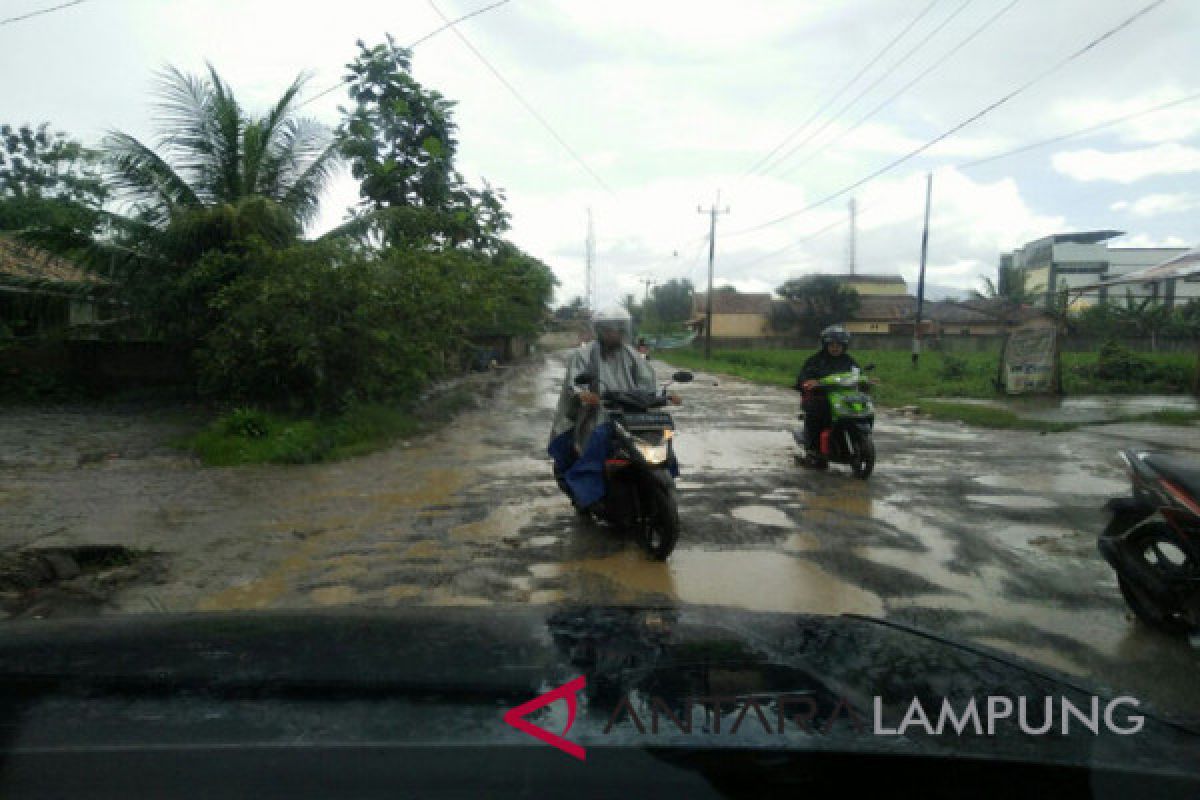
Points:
(22, 263)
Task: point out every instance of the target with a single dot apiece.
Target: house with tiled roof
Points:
(42, 293)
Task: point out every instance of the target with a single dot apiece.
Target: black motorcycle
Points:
(1153, 541)
(639, 487)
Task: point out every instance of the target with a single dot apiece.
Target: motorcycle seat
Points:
(1185, 473)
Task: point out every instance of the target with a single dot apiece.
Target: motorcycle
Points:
(1152, 541)
(847, 440)
(639, 473)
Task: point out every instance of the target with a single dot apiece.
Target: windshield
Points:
(293, 303)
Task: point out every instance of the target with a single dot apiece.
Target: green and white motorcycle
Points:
(847, 440)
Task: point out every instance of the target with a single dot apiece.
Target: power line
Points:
(945, 57)
(463, 18)
(40, 12)
(521, 99)
(1076, 133)
(986, 160)
(956, 128)
(787, 139)
(426, 37)
(879, 79)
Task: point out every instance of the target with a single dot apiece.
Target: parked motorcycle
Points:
(847, 440)
(639, 480)
(1153, 541)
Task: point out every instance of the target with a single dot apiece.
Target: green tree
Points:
(1010, 286)
(400, 142)
(819, 300)
(51, 187)
(672, 301)
(220, 182)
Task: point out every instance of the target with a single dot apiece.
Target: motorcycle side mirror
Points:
(583, 379)
(682, 377)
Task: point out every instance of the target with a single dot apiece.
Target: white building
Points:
(1084, 259)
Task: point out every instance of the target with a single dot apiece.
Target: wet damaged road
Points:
(983, 536)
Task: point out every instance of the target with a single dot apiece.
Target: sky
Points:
(669, 102)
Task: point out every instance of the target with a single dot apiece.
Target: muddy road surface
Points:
(980, 536)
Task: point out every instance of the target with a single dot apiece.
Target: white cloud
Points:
(1153, 205)
(1145, 240)
(1177, 123)
(1127, 166)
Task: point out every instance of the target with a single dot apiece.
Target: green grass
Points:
(901, 385)
(988, 417)
(251, 436)
(1167, 417)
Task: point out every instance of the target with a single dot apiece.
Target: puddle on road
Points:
(546, 571)
(800, 542)
(543, 597)
(1059, 482)
(847, 501)
(439, 597)
(1016, 502)
(507, 520)
(732, 451)
(401, 592)
(334, 595)
(763, 515)
(756, 580)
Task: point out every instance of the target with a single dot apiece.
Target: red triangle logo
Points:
(516, 716)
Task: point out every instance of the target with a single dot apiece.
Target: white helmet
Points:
(613, 317)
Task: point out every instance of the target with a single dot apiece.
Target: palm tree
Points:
(1011, 287)
(218, 182)
(211, 153)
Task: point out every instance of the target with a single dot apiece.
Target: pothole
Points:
(65, 581)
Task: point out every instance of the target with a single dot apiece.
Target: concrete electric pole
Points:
(712, 242)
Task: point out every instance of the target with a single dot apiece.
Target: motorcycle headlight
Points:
(653, 453)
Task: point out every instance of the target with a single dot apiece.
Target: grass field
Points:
(251, 436)
(967, 375)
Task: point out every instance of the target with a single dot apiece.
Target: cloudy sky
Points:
(666, 102)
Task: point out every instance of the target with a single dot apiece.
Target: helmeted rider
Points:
(831, 359)
(578, 441)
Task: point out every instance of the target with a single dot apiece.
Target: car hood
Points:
(448, 675)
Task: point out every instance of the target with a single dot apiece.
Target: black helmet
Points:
(835, 333)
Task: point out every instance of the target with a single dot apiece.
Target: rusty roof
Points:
(25, 264)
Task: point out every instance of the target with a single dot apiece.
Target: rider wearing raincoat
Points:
(580, 437)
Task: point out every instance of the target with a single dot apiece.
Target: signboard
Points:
(1028, 366)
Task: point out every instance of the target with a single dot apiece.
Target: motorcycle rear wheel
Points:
(1155, 544)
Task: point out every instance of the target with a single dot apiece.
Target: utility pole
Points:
(590, 249)
(712, 249)
(916, 345)
(853, 231)
(647, 282)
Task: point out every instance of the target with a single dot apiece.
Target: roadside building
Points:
(1084, 259)
(43, 294)
(737, 316)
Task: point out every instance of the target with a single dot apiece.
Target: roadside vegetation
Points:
(307, 347)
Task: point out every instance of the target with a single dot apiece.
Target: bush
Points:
(953, 367)
(1118, 363)
(248, 423)
(317, 327)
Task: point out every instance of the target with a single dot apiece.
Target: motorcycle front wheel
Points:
(660, 521)
(862, 462)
